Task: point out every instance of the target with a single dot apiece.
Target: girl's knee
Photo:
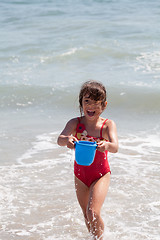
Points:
(92, 214)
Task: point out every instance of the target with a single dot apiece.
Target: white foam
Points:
(22, 232)
(142, 143)
(122, 93)
(70, 52)
(148, 62)
(43, 142)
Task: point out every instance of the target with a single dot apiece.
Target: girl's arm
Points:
(112, 144)
(66, 138)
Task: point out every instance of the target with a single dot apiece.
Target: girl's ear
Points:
(105, 105)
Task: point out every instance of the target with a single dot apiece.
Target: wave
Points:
(86, 52)
(78, 53)
(139, 99)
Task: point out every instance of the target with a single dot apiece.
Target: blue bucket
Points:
(85, 152)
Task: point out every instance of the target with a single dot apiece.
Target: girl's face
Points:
(92, 109)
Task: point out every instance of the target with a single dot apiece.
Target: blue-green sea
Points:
(47, 50)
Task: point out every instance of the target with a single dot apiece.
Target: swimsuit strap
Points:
(102, 127)
(78, 119)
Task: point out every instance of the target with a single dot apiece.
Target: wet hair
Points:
(94, 90)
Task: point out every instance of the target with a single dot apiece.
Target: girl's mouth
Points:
(90, 113)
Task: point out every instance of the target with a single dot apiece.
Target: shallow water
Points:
(38, 198)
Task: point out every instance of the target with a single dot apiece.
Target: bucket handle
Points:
(78, 142)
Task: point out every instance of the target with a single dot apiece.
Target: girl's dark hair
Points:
(95, 90)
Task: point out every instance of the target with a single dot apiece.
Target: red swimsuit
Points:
(100, 166)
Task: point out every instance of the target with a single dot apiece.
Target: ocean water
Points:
(48, 49)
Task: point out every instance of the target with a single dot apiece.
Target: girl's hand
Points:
(71, 142)
(102, 146)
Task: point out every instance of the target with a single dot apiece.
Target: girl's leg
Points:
(97, 193)
(82, 192)
(91, 200)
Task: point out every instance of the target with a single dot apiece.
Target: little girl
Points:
(92, 182)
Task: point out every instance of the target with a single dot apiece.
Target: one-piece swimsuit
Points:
(100, 165)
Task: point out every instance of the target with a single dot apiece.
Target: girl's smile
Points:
(90, 113)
